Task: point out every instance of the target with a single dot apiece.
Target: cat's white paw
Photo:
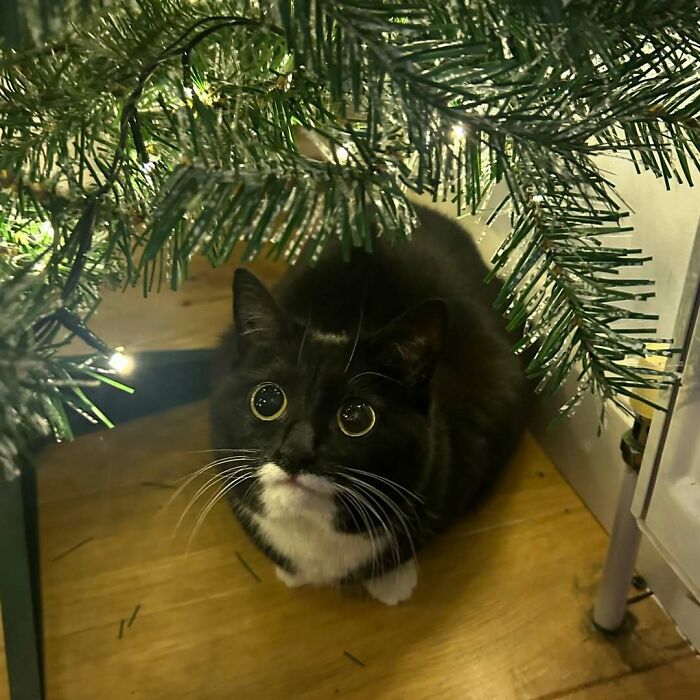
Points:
(396, 586)
(290, 580)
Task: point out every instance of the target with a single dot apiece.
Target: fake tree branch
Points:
(143, 135)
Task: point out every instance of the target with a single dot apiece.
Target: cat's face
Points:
(316, 421)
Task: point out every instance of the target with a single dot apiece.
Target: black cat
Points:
(364, 405)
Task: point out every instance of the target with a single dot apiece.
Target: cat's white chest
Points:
(298, 523)
(318, 553)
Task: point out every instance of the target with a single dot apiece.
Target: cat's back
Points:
(440, 261)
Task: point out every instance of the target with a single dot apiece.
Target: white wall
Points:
(665, 225)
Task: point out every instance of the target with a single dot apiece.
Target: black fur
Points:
(424, 348)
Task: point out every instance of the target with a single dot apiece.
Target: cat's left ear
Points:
(409, 347)
(256, 314)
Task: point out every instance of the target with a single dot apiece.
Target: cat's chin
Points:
(306, 495)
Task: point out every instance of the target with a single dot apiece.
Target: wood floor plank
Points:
(677, 680)
(193, 317)
(501, 610)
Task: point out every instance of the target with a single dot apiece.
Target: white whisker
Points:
(374, 374)
(387, 523)
(221, 493)
(349, 492)
(402, 492)
(388, 482)
(219, 476)
(189, 478)
(303, 337)
(357, 340)
(221, 449)
(383, 521)
(393, 506)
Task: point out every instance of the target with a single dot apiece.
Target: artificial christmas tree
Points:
(134, 135)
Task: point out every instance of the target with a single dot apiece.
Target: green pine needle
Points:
(140, 135)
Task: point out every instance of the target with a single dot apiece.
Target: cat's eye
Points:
(356, 418)
(268, 401)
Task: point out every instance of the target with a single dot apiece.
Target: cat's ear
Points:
(409, 347)
(256, 314)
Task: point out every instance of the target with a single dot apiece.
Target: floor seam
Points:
(557, 694)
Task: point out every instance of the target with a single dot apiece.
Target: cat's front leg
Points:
(395, 586)
(290, 580)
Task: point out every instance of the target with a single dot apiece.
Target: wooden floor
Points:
(134, 610)
(501, 610)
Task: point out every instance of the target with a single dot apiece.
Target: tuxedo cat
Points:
(362, 406)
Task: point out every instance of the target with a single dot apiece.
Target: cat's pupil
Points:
(356, 418)
(268, 400)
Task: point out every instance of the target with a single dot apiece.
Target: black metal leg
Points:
(31, 527)
(20, 586)
(20, 582)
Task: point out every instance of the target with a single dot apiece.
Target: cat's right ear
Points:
(409, 347)
(256, 315)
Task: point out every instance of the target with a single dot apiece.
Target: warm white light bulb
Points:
(342, 153)
(205, 95)
(121, 363)
(458, 132)
(46, 227)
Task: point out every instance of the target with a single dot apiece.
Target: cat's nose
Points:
(294, 467)
(297, 449)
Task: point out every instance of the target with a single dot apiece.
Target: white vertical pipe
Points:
(611, 602)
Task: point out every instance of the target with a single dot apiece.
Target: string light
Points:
(342, 154)
(117, 359)
(204, 92)
(120, 362)
(46, 227)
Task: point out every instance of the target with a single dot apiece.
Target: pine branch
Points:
(567, 294)
(158, 130)
(35, 384)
